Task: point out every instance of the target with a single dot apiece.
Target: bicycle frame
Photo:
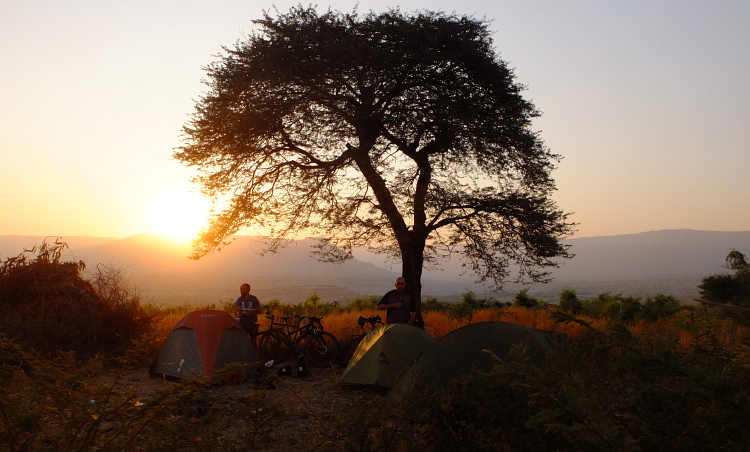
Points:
(281, 338)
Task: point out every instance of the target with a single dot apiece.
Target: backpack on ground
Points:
(303, 366)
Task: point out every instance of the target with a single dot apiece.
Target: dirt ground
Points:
(313, 406)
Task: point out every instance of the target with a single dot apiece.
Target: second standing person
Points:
(399, 304)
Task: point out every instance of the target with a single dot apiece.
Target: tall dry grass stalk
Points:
(438, 324)
(164, 327)
(344, 325)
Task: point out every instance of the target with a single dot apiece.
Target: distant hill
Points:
(670, 261)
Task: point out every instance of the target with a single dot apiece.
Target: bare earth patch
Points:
(314, 409)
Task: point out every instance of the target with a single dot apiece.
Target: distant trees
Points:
(619, 308)
(729, 288)
(405, 133)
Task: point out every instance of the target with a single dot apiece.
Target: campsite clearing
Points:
(314, 409)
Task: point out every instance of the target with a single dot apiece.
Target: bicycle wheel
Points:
(273, 345)
(347, 353)
(321, 348)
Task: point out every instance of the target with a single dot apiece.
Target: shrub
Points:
(731, 288)
(524, 300)
(614, 307)
(432, 304)
(46, 304)
(364, 303)
(622, 309)
(569, 302)
(224, 306)
(613, 390)
(659, 306)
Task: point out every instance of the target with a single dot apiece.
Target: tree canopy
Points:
(731, 288)
(404, 133)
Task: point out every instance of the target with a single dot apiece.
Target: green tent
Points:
(384, 354)
(462, 351)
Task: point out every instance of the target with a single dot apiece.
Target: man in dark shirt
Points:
(248, 308)
(399, 304)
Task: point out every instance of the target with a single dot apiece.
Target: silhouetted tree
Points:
(733, 288)
(405, 133)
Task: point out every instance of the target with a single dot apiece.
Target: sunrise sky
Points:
(647, 101)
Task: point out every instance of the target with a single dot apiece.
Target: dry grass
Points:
(344, 325)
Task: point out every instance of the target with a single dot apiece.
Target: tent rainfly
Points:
(384, 354)
(463, 350)
(203, 341)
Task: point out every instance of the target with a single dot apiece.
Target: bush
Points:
(659, 307)
(569, 302)
(468, 305)
(45, 304)
(613, 390)
(312, 306)
(614, 307)
(363, 303)
(623, 309)
(731, 288)
(524, 300)
(432, 304)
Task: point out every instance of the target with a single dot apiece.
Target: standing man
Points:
(399, 304)
(248, 308)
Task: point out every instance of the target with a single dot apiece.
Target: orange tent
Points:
(203, 341)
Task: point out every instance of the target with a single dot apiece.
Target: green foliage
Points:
(477, 413)
(524, 300)
(659, 307)
(618, 308)
(612, 390)
(312, 306)
(47, 305)
(469, 304)
(614, 307)
(733, 288)
(225, 306)
(569, 302)
(274, 305)
(432, 304)
(624, 309)
(643, 393)
(363, 303)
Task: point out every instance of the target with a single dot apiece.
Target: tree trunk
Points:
(411, 270)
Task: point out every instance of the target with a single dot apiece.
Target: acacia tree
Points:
(403, 133)
(733, 288)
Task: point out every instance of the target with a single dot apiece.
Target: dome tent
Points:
(203, 341)
(462, 350)
(384, 354)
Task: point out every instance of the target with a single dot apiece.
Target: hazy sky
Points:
(647, 101)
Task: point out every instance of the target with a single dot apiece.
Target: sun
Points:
(179, 215)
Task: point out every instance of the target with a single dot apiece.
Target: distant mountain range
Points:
(649, 263)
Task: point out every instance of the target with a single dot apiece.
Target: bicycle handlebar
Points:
(371, 320)
(299, 317)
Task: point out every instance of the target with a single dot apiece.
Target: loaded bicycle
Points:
(295, 335)
(351, 346)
